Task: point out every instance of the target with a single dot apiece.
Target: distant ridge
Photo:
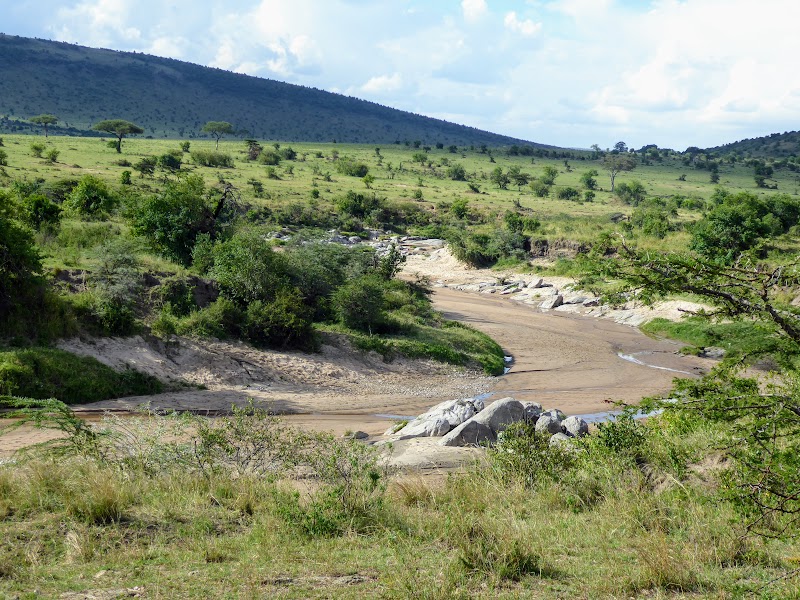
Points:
(777, 145)
(171, 98)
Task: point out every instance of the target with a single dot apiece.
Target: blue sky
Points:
(675, 73)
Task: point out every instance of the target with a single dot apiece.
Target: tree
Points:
(499, 178)
(44, 121)
(620, 147)
(615, 163)
(518, 178)
(549, 175)
(760, 423)
(217, 129)
(588, 179)
(120, 128)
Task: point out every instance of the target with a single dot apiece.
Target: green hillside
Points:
(776, 145)
(170, 98)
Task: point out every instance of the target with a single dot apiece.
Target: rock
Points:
(535, 283)
(531, 411)
(357, 435)
(469, 433)
(478, 403)
(428, 427)
(560, 439)
(591, 302)
(555, 413)
(500, 414)
(441, 418)
(548, 423)
(575, 427)
(552, 302)
(713, 352)
(576, 300)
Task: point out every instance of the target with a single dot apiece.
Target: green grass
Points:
(50, 373)
(606, 527)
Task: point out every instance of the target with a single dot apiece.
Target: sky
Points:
(570, 73)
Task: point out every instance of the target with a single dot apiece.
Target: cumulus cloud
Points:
(474, 10)
(382, 84)
(525, 27)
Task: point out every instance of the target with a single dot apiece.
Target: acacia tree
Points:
(44, 120)
(217, 129)
(614, 163)
(759, 420)
(120, 128)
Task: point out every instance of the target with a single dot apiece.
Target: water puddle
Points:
(631, 358)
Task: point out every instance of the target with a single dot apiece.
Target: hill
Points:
(775, 145)
(171, 98)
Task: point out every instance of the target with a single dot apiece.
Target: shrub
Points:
(172, 220)
(283, 323)
(3, 158)
(221, 319)
(568, 193)
(20, 269)
(52, 155)
(248, 269)
(358, 204)
(125, 178)
(359, 304)
(631, 193)
(457, 172)
(91, 198)
(38, 211)
(269, 157)
(37, 148)
(349, 166)
(540, 189)
(523, 454)
(210, 158)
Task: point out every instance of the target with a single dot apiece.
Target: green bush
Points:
(21, 285)
(248, 269)
(349, 166)
(358, 204)
(171, 220)
(221, 319)
(524, 455)
(91, 199)
(359, 304)
(269, 157)
(283, 323)
(210, 158)
(38, 211)
(540, 189)
(49, 373)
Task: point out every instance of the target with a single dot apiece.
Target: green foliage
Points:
(632, 192)
(742, 222)
(500, 178)
(524, 455)
(457, 172)
(171, 161)
(208, 158)
(568, 193)
(120, 128)
(146, 166)
(360, 303)
(21, 285)
(460, 208)
(653, 220)
(588, 179)
(52, 155)
(358, 204)
(43, 373)
(171, 220)
(248, 269)
(540, 189)
(217, 129)
(125, 178)
(91, 199)
(483, 249)
(350, 166)
(548, 177)
(3, 158)
(269, 157)
(37, 148)
(40, 213)
(285, 322)
(221, 319)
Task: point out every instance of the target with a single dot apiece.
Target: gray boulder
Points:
(575, 426)
(441, 418)
(500, 414)
(531, 411)
(469, 433)
(552, 302)
(428, 427)
(555, 412)
(548, 423)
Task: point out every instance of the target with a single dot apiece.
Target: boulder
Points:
(531, 411)
(575, 426)
(560, 439)
(552, 302)
(713, 352)
(535, 283)
(441, 418)
(500, 414)
(548, 423)
(428, 427)
(556, 413)
(591, 302)
(469, 433)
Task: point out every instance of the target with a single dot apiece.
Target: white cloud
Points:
(382, 84)
(474, 10)
(526, 27)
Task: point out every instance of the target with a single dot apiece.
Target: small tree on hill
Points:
(614, 163)
(44, 121)
(217, 129)
(120, 128)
